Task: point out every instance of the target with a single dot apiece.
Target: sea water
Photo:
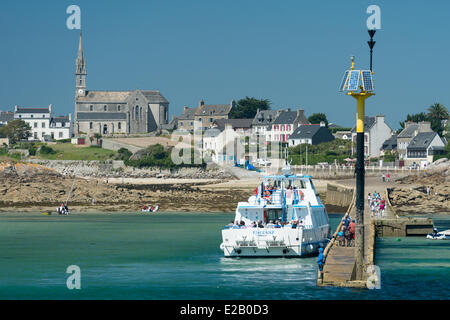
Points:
(177, 256)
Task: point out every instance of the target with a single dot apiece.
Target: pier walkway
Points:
(340, 265)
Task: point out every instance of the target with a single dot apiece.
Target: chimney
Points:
(15, 108)
(50, 108)
(185, 108)
(425, 126)
(257, 111)
(233, 103)
(322, 123)
(201, 104)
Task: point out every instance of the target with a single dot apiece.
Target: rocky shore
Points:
(32, 187)
(409, 196)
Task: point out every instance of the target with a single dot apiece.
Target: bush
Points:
(47, 150)
(124, 154)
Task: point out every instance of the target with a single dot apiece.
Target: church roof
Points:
(85, 116)
(120, 96)
(105, 96)
(154, 97)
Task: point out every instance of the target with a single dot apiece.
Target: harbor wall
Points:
(338, 195)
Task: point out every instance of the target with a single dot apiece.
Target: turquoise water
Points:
(177, 256)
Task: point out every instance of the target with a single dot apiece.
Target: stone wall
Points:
(338, 195)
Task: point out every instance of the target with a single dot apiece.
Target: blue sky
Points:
(291, 52)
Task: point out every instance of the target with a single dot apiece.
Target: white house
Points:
(285, 124)
(43, 124)
(376, 132)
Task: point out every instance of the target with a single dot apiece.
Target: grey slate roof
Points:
(120, 96)
(33, 110)
(305, 131)
(235, 123)
(390, 144)
(86, 116)
(264, 117)
(368, 123)
(422, 140)
(211, 133)
(408, 132)
(61, 119)
(6, 116)
(188, 114)
(214, 110)
(286, 117)
(154, 97)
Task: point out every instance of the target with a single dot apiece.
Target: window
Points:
(32, 116)
(137, 113)
(60, 135)
(119, 125)
(35, 124)
(91, 108)
(105, 108)
(43, 116)
(43, 124)
(118, 108)
(181, 124)
(20, 116)
(90, 125)
(35, 135)
(211, 120)
(282, 127)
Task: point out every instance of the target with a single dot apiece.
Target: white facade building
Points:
(43, 124)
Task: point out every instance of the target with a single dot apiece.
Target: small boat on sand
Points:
(443, 235)
(150, 208)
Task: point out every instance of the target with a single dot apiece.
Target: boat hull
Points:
(273, 242)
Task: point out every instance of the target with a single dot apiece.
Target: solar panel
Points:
(367, 80)
(353, 80)
(344, 81)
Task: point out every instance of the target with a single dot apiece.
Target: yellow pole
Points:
(360, 111)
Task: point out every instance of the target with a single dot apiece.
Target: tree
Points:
(248, 107)
(97, 136)
(438, 111)
(16, 130)
(317, 118)
(418, 117)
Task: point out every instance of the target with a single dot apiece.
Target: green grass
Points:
(68, 151)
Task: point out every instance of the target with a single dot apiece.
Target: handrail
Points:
(333, 238)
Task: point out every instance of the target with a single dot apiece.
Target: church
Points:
(116, 112)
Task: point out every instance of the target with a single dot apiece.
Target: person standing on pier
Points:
(320, 259)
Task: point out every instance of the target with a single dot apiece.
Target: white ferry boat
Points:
(285, 218)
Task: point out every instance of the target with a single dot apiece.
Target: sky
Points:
(293, 53)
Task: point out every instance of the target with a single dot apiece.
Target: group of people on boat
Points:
(294, 224)
(376, 204)
(268, 192)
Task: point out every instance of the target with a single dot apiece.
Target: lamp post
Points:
(371, 45)
(359, 85)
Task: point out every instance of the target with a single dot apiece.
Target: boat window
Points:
(273, 215)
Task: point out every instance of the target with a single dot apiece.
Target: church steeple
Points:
(81, 71)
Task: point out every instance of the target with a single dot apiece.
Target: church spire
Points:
(80, 70)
